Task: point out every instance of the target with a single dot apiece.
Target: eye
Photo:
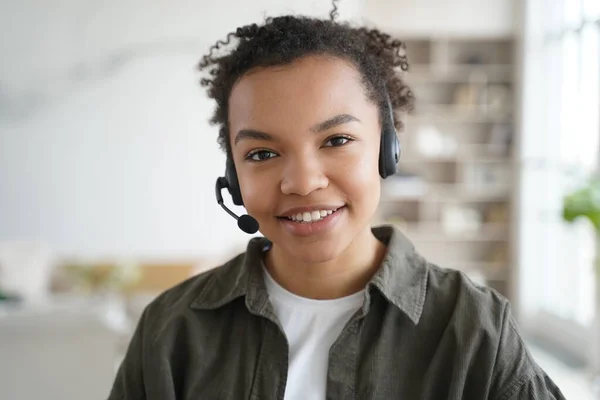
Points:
(260, 155)
(337, 141)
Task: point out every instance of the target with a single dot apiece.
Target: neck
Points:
(342, 276)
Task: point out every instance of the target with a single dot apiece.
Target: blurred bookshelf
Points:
(453, 193)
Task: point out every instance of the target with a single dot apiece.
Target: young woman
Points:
(323, 306)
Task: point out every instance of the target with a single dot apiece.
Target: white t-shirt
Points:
(311, 327)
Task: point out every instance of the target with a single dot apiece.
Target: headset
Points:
(389, 155)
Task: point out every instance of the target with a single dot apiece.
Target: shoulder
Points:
(477, 322)
(427, 292)
(464, 302)
(449, 284)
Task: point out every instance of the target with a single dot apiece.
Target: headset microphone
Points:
(245, 222)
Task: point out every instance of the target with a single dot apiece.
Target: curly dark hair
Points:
(281, 40)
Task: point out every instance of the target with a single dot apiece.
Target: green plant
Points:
(584, 203)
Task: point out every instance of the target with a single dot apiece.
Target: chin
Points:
(314, 252)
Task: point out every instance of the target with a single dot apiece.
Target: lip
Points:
(300, 210)
(303, 229)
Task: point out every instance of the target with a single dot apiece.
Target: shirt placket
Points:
(272, 365)
(341, 371)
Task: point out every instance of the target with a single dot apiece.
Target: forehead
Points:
(300, 94)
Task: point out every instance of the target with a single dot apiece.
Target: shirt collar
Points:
(401, 278)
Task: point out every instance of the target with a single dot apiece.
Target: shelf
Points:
(476, 153)
(457, 159)
(447, 193)
(459, 149)
(406, 188)
(434, 232)
(492, 272)
(454, 119)
(440, 113)
(498, 73)
(457, 110)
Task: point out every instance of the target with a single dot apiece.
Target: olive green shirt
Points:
(422, 333)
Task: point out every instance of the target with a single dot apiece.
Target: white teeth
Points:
(312, 216)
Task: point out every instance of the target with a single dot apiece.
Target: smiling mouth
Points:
(310, 217)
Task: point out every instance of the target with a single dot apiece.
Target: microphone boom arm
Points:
(246, 223)
(219, 186)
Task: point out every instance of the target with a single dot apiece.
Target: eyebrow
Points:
(333, 122)
(320, 127)
(253, 134)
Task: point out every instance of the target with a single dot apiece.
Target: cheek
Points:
(359, 178)
(258, 190)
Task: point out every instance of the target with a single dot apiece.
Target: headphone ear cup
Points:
(389, 148)
(389, 153)
(233, 184)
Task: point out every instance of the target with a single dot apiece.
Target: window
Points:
(559, 151)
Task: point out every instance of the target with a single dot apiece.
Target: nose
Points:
(303, 175)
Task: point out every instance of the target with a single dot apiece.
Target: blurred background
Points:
(108, 163)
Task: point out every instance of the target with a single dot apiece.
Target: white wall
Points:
(105, 149)
(443, 18)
